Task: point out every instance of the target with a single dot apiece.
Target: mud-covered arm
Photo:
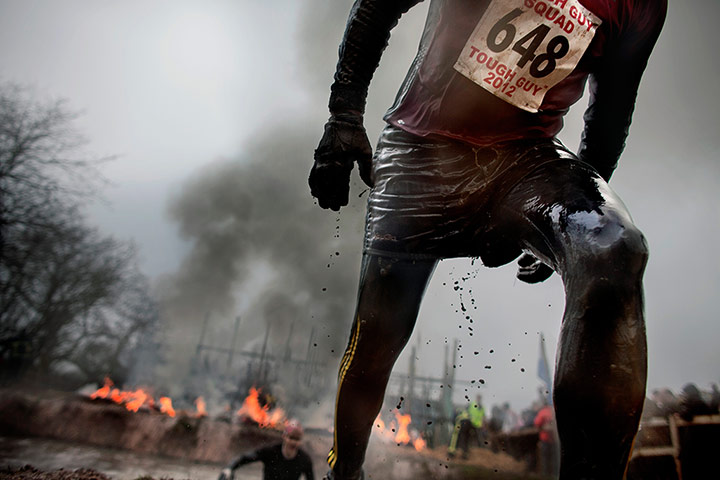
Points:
(344, 140)
(613, 88)
(366, 35)
(247, 457)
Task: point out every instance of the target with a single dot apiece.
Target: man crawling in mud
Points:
(469, 166)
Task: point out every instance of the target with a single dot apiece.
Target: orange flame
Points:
(132, 400)
(103, 391)
(166, 406)
(262, 415)
(135, 400)
(117, 396)
(200, 405)
(402, 435)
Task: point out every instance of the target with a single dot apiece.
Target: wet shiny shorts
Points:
(437, 197)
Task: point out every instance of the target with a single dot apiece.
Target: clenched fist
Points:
(343, 143)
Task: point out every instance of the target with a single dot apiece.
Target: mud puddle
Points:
(46, 454)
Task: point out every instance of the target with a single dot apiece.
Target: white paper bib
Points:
(520, 49)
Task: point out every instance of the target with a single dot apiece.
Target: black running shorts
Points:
(437, 197)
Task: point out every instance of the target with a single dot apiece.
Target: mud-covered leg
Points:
(601, 361)
(388, 303)
(578, 225)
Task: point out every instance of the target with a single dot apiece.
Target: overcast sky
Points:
(171, 87)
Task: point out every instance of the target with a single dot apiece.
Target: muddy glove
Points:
(226, 474)
(532, 270)
(343, 143)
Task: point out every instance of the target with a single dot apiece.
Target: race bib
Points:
(520, 49)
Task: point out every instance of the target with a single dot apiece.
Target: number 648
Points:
(542, 65)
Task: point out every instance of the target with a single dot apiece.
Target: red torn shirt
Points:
(437, 99)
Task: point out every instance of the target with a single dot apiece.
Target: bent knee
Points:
(629, 251)
(608, 244)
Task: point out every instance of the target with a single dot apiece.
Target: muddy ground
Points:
(29, 472)
(213, 442)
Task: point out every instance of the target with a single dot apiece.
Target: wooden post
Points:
(261, 370)
(202, 334)
(310, 358)
(197, 363)
(411, 386)
(288, 351)
(232, 344)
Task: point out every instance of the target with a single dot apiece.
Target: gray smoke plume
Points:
(261, 247)
(262, 250)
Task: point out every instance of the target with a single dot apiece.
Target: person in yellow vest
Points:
(468, 425)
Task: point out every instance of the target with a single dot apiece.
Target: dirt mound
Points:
(76, 418)
(481, 457)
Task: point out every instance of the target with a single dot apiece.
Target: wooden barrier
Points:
(682, 441)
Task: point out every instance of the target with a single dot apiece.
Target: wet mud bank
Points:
(75, 418)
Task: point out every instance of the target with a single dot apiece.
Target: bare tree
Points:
(40, 157)
(67, 293)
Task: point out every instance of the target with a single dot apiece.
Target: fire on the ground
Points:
(252, 409)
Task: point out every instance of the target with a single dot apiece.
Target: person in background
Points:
(666, 401)
(527, 417)
(715, 398)
(698, 445)
(511, 420)
(282, 461)
(548, 451)
(468, 426)
(692, 403)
